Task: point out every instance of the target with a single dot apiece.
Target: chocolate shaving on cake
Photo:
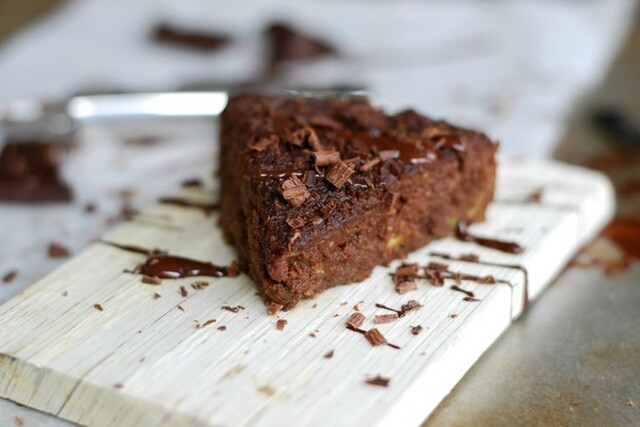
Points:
(235, 309)
(369, 164)
(339, 174)
(56, 250)
(385, 318)
(294, 191)
(355, 320)
(375, 337)
(296, 222)
(324, 121)
(8, 278)
(149, 280)
(280, 324)
(305, 136)
(415, 330)
(263, 143)
(326, 157)
(378, 381)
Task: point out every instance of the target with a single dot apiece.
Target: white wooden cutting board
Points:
(143, 362)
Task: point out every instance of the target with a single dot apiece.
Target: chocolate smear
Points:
(463, 234)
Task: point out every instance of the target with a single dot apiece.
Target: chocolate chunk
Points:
(280, 324)
(192, 39)
(415, 330)
(326, 157)
(385, 318)
(294, 191)
(379, 381)
(8, 277)
(56, 250)
(375, 337)
(355, 320)
(29, 173)
(339, 174)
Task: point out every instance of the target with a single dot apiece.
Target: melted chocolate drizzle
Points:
(207, 208)
(463, 234)
(165, 266)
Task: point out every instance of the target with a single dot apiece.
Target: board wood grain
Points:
(148, 360)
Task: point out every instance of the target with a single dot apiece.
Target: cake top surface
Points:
(315, 162)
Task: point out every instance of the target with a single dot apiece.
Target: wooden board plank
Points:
(142, 361)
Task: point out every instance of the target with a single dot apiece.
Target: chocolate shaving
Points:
(273, 308)
(183, 292)
(98, 307)
(304, 136)
(436, 266)
(415, 330)
(328, 354)
(294, 191)
(205, 324)
(406, 286)
(326, 157)
(404, 278)
(339, 174)
(264, 143)
(355, 320)
(370, 164)
(471, 299)
(464, 291)
(8, 278)
(149, 280)
(375, 337)
(280, 324)
(324, 121)
(295, 222)
(156, 295)
(235, 309)
(199, 284)
(56, 250)
(180, 307)
(470, 257)
(222, 328)
(191, 182)
(197, 40)
(379, 381)
(385, 318)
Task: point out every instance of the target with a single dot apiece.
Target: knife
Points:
(23, 119)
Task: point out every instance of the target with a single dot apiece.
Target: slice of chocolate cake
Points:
(317, 192)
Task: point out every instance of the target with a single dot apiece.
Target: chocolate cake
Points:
(317, 192)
